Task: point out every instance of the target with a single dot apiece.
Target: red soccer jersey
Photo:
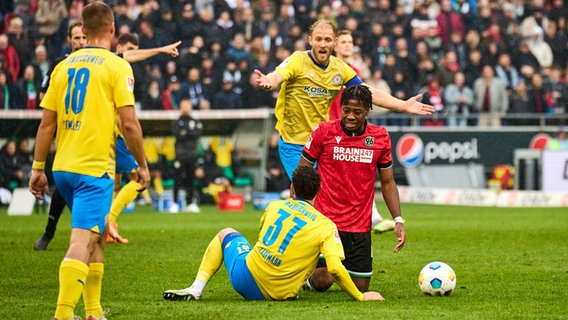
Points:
(347, 165)
(335, 109)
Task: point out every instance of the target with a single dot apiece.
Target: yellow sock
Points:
(212, 260)
(146, 195)
(72, 278)
(126, 195)
(92, 290)
(158, 186)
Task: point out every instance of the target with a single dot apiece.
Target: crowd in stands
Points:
(487, 57)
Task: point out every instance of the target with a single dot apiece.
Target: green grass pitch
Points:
(511, 263)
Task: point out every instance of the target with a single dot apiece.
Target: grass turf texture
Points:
(510, 264)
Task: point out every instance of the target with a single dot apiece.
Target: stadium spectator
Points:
(48, 17)
(227, 98)
(557, 40)
(187, 131)
(11, 169)
(458, 99)
(247, 25)
(506, 72)
(449, 22)
(237, 50)
(19, 38)
(40, 61)
(11, 59)
(256, 97)
(449, 65)
(6, 91)
(539, 48)
(337, 200)
(472, 71)
(27, 89)
(491, 99)
(433, 94)
(152, 98)
(557, 99)
(538, 93)
(169, 100)
(194, 90)
(193, 55)
(378, 115)
(254, 276)
(519, 105)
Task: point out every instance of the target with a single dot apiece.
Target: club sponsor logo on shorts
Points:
(337, 79)
(352, 154)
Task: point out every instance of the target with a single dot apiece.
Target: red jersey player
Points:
(348, 153)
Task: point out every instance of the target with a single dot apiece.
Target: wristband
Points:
(38, 165)
(398, 220)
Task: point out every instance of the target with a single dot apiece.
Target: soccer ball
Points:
(437, 279)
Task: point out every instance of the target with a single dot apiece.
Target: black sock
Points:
(55, 210)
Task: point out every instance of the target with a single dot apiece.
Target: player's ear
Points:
(292, 191)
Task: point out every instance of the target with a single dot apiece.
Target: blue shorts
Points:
(125, 162)
(88, 197)
(235, 250)
(289, 155)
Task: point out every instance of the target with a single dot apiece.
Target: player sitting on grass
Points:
(293, 234)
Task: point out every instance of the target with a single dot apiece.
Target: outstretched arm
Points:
(143, 54)
(412, 105)
(270, 81)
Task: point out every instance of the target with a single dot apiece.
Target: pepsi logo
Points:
(539, 141)
(410, 150)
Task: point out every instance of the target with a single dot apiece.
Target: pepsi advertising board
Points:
(461, 147)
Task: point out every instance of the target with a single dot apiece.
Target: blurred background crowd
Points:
(465, 56)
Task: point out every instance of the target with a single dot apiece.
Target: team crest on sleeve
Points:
(130, 83)
(369, 141)
(309, 143)
(337, 79)
(337, 237)
(284, 63)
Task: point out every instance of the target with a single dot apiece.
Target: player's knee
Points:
(322, 280)
(361, 283)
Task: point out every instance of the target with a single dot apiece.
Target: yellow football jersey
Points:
(293, 234)
(86, 90)
(306, 94)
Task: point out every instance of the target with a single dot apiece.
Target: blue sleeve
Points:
(353, 81)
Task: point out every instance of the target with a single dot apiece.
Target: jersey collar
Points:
(315, 62)
(354, 134)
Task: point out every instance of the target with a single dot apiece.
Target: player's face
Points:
(78, 39)
(322, 41)
(353, 115)
(344, 47)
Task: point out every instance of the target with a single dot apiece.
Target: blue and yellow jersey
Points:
(86, 90)
(285, 255)
(307, 93)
